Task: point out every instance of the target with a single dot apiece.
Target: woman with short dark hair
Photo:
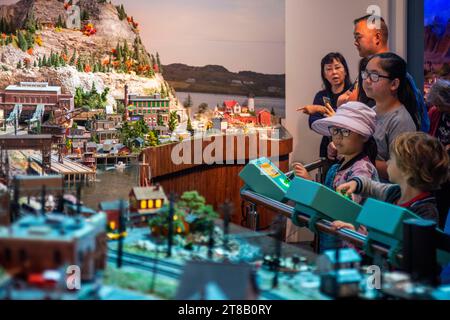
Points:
(336, 80)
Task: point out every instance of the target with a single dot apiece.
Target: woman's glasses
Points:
(341, 131)
(374, 77)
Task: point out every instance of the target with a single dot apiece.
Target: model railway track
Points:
(161, 267)
(165, 268)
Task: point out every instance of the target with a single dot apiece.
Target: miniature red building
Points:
(264, 118)
(34, 244)
(231, 107)
(30, 95)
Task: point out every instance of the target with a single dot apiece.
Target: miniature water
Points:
(111, 184)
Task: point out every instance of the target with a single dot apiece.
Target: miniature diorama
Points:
(123, 178)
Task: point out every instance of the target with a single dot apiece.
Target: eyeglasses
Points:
(341, 131)
(374, 77)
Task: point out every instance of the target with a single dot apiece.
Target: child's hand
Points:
(301, 172)
(347, 188)
(338, 225)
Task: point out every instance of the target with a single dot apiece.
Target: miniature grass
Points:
(164, 287)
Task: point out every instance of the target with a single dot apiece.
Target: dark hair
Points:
(328, 59)
(395, 67)
(370, 149)
(383, 26)
(362, 97)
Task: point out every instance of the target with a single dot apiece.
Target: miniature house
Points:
(232, 107)
(34, 244)
(112, 211)
(347, 258)
(105, 130)
(219, 124)
(148, 107)
(91, 147)
(147, 200)
(138, 142)
(340, 276)
(264, 118)
(33, 94)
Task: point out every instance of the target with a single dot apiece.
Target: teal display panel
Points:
(263, 177)
(384, 222)
(320, 202)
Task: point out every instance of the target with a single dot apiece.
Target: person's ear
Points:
(395, 84)
(378, 37)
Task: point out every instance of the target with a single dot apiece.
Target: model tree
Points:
(6, 26)
(80, 67)
(162, 92)
(173, 121)
(74, 57)
(198, 215)
(191, 201)
(121, 12)
(84, 15)
(158, 62)
(61, 23)
(153, 139)
(188, 102)
(189, 127)
(31, 24)
(21, 41)
(203, 107)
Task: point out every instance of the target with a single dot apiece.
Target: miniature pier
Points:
(72, 171)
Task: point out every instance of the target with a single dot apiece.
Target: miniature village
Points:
(81, 98)
(54, 136)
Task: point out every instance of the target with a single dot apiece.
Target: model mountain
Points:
(217, 79)
(38, 42)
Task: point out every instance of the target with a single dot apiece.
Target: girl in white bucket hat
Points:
(351, 129)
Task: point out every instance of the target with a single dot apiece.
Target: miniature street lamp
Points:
(43, 200)
(227, 213)
(121, 227)
(277, 245)
(211, 240)
(170, 222)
